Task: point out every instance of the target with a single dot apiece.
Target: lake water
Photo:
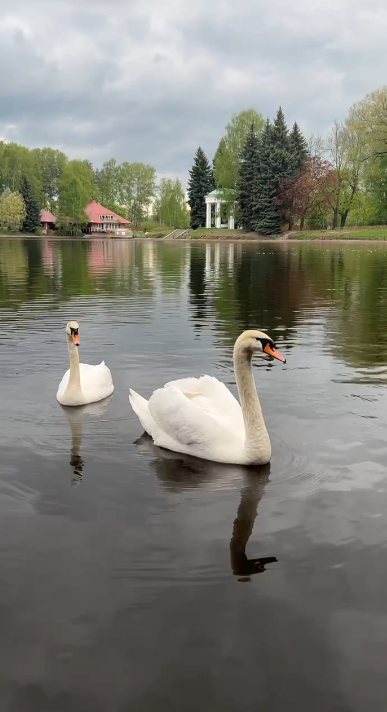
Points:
(135, 579)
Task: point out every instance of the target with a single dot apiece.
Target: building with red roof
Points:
(100, 219)
(47, 221)
(103, 220)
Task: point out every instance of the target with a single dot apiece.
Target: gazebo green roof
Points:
(217, 191)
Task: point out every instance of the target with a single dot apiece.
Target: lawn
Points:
(349, 233)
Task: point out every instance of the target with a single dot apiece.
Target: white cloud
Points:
(152, 80)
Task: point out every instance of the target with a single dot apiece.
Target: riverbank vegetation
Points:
(275, 179)
(271, 177)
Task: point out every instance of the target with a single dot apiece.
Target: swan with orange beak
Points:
(82, 383)
(201, 417)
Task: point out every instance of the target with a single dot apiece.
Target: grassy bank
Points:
(222, 234)
(378, 234)
(350, 233)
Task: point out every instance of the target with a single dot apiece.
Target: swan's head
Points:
(258, 343)
(72, 331)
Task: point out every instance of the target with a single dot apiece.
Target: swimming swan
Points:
(82, 383)
(201, 417)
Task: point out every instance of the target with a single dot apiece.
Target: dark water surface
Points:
(132, 579)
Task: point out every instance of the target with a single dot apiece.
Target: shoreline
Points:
(277, 241)
(210, 238)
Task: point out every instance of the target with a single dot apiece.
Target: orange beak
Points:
(75, 338)
(273, 352)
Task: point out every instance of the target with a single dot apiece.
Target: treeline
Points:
(31, 179)
(273, 178)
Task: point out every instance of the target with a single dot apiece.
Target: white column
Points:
(217, 222)
(208, 215)
(231, 222)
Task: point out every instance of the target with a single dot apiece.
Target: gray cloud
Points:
(151, 80)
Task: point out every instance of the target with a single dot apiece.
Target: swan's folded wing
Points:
(214, 398)
(179, 417)
(98, 376)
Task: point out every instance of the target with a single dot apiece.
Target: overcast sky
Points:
(150, 80)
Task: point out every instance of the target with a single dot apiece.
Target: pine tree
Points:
(299, 146)
(282, 158)
(266, 216)
(284, 161)
(32, 219)
(200, 183)
(247, 178)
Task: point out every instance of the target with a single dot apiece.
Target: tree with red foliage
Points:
(311, 193)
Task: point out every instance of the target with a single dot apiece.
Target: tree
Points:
(231, 146)
(137, 187)
(375, 192)
(316, 145)
(199, 184)
(346, 149)
(75, 192)
(312, 192)
(108, 183)
(283, 161)
(50, 163)
(31, 221)
(266, 218)
(223, 166)
(17, 161)
(170, 206)
(12, 210)
(246, 179)
(299, 146)
(369, 118)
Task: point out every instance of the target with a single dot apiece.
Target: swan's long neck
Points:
(74, 383)
(257, 437)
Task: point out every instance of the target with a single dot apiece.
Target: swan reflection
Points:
(179, 473)
(76, 418)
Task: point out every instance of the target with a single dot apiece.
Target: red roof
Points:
(94, 210)
(47, 217)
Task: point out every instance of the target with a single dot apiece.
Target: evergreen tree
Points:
(32, 219)
(299, 146)
(282, 157)
(266, 218)
(284, 162)
(200, 183)
(270, 217)
(246, 179)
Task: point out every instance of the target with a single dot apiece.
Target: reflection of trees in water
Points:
(59, 270)
(353, 280)
(248, 285)
(178, 473)
(236, 285)
(197, 285)
(171, 262)
(274, 287)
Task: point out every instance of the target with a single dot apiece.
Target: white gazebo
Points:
(216, 198)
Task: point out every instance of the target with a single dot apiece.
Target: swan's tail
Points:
(140, 407)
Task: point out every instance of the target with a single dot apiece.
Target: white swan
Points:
(201, 417)
(82, 383)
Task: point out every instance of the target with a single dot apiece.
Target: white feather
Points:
(201, 417)
(96, 384)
